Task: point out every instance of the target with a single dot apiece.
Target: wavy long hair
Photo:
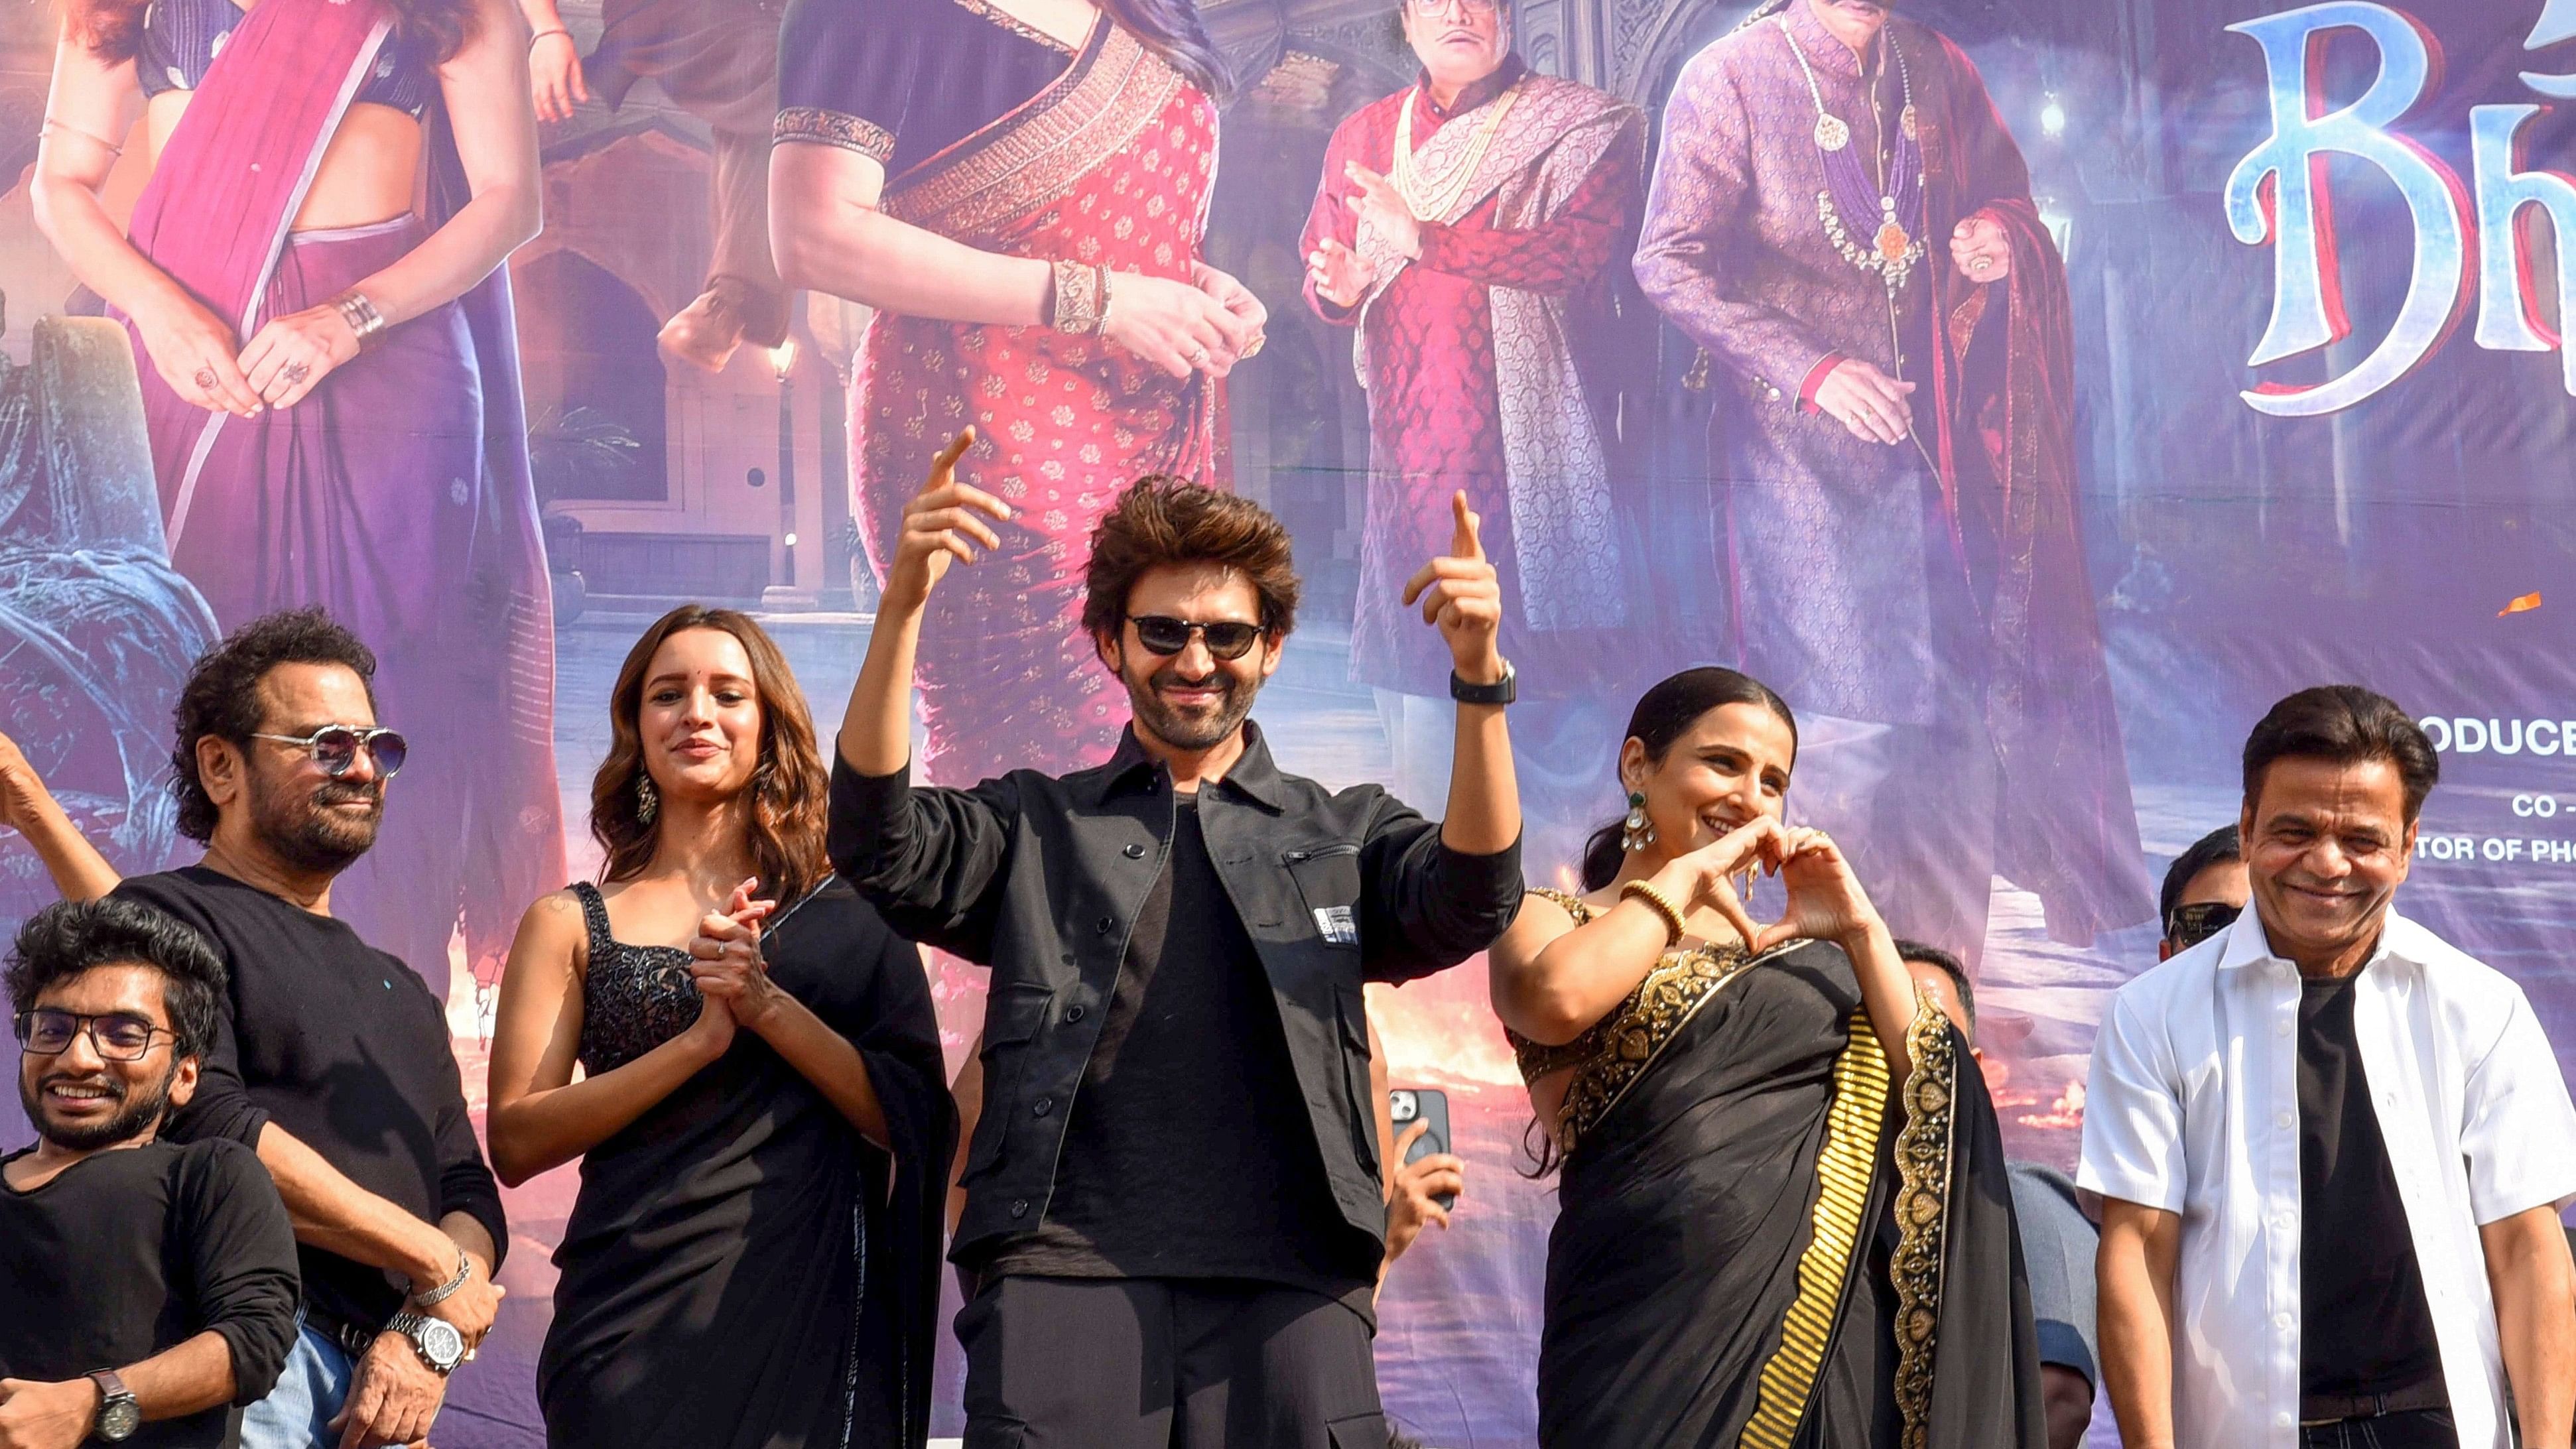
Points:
(1173, 30)
(790, 787)
(113, 29)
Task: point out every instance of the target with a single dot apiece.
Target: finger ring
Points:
(205, 378)
(1199, 357)
(1255, 349)
(296, 372)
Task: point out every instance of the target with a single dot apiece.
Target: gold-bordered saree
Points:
(1765, 1242)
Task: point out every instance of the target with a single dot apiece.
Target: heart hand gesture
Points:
(1826, 902)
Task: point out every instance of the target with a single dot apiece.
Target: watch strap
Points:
(415, 1326)
(111, 1393)
(1501, 691)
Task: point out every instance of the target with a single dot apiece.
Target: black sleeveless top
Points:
(633, 998)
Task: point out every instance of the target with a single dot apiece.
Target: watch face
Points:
(119, 1418)
(441, 1344)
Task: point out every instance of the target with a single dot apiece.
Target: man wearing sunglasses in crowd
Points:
(2205, 891)
(330, 1059)
(145, 1287)
(1173, 1215)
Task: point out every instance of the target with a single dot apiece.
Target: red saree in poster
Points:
(396, 495)
(1110, 164)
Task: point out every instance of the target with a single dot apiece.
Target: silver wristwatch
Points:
(436, 1340)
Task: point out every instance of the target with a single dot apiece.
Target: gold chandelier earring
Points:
(1635, 832)
(648, 801)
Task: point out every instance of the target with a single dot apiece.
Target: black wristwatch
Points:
(1501, 691)
(118, 1415)
(435, 1339)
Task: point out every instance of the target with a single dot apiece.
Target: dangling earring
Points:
(647, 802)
(1635, 834)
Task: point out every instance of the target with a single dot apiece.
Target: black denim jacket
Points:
(1041, 877)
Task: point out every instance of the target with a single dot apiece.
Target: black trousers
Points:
(1160, 1363)
(2409, 1429)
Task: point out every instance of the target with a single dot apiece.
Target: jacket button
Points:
(1019, 1207)
(1043, 1107)
(1073, 1013)
(1104, 925)
(1068, 958)
(1135, 851)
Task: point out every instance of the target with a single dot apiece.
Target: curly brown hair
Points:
(791, 789)
(1161, 520)
(113, 29)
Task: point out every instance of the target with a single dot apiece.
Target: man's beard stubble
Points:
(1189, 730)
(137, 1109)
(307, 833)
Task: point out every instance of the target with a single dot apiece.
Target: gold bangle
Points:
(1660, 903)
(1081, 301)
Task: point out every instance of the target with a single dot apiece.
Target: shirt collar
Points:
(2248, 944)
(1255, 775)
(1477, 94)
(1823, 49)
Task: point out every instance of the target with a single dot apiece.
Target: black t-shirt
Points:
(135, 1250)
(340, 1044)
(2365, 1326)
(1189, 1153)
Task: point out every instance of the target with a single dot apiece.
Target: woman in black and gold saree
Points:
(1784, 1217)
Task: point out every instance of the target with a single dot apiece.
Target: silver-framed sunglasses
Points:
(335, 747)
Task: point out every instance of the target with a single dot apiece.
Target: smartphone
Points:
(1408, 1105)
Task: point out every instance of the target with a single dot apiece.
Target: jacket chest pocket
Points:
(1328, 890)
(1013, 1015)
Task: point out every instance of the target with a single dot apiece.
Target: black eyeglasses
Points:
(1166, 635)
(2190, 925)
(336, 747)
(118, 1036)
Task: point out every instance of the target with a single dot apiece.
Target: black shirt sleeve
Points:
(222, 1107)
(465, 1182)
(241, 1248)
(932, 861)
(1426, 907)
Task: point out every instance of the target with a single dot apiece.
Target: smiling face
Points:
(80, 1100)
(294, 808)
(1731, 766)
(1459, 42)
(2326, 846)
(1191, 700)
(699, 719)
(1855, 23)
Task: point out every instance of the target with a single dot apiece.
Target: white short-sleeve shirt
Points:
(2193, 1107)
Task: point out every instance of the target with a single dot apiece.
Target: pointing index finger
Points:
(1463, 541)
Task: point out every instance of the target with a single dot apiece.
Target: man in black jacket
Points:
(1174, 1213)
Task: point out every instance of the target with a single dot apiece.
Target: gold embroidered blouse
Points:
(1611, 1052)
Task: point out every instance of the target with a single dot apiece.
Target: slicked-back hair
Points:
(2218, 847)
(2343, 724)
(69, 938)
(221, 697)
(1924, 953)
(1160, 521)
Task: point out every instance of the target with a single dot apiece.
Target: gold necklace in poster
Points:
(1896, 196)
(1433, 204)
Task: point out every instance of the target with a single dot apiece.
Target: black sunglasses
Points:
(119, 1036)
(336, 747)
(2190, 925)
(1166, 635)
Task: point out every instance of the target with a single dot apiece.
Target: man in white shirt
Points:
(2330, 1148)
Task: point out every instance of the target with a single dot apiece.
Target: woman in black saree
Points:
(762, 1117)
(1784, 1218)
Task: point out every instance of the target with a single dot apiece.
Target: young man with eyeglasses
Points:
(146, 1287)
(330, 1058)
(2205, 891)
(1173, 1209)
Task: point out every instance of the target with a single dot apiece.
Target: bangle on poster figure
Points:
(549, 30)
(361, 315)
(1081, 303)
(1660, 904)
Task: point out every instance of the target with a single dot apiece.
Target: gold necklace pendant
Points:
(1833, 133)
(1893, 243)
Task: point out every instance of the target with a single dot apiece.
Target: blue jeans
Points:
(310, 1390)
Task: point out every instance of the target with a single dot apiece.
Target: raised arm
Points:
(26, 806)
(494, 122)
(1460, 595)
(91, 108)
(540, 1117)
